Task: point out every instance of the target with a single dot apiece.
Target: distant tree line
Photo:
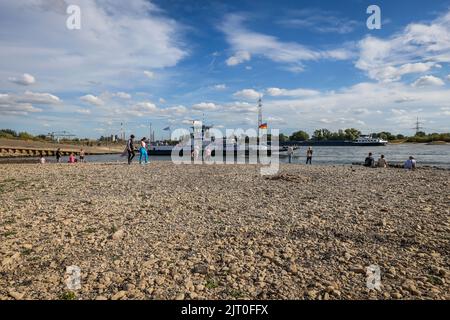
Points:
(352, 134)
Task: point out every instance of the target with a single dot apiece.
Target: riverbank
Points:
(12, 148)
(213, 232)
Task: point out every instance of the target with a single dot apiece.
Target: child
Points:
(72, 158)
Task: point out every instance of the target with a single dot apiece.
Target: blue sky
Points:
(167, 62)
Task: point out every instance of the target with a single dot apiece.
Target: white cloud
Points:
(38, 98)
(428, 81)
(247, 94)
(26, 79)
(277, 92)
(448, 77)
(145, 107)
(241, 107)
(246, 43)
(149, 74)
(275, 120)
(93, 100)
(204, 106)
(175, 110)
(12, 105)
(319, 21)
(83, 111)
(162, 100)
(123, 95)
(115, 44)
(220, 86)
(238, 58)
(416, 49)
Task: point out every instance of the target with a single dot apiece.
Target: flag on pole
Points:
(167, 129)
(263, 126)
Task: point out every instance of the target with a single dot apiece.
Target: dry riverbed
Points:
(213, 232)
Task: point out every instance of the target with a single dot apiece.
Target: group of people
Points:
(409, 164)
(130, 150)
(309, 154)
(58, 155)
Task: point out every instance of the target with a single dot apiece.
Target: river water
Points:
(430, 155)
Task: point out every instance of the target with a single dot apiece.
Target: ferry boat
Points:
(368, 140)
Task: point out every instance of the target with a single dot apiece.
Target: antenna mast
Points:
(259, 115)
(418, 126)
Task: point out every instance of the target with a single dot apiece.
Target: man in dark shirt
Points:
(58, 155)
(130, 149)
(370, 161)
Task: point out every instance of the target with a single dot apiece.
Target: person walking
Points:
(290, 153)
(143, 152)
(309, 154)
(130, 149)
(58, 155)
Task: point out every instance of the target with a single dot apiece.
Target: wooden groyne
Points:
(14, 152)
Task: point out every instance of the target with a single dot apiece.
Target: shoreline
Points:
(35, 160)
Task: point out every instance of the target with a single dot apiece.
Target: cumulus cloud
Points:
(247, 94)
(83, 111)
(123, 95)
(416, 49)
(25, 80)
(93, 100)
(238, 58)
(38, 98)
(277, 92)
(116, 41)
(241, 107)
(428, 81)
(12, 105)
(204, 106)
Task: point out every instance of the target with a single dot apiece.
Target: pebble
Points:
(118, 235)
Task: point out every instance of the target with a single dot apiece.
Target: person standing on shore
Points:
(369, 161)
(410, 164)
(290, 153)
(42, 159)
(58, 155)
(309, 154)
(143, 152)
(382, 163)
(81, 155)
(130, 149)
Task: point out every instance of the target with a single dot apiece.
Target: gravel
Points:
(163, 231)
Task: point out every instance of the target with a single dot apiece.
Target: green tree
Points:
(283, 138)
(352, 133)
(421, 134)
(25, 136)
(299, 136)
